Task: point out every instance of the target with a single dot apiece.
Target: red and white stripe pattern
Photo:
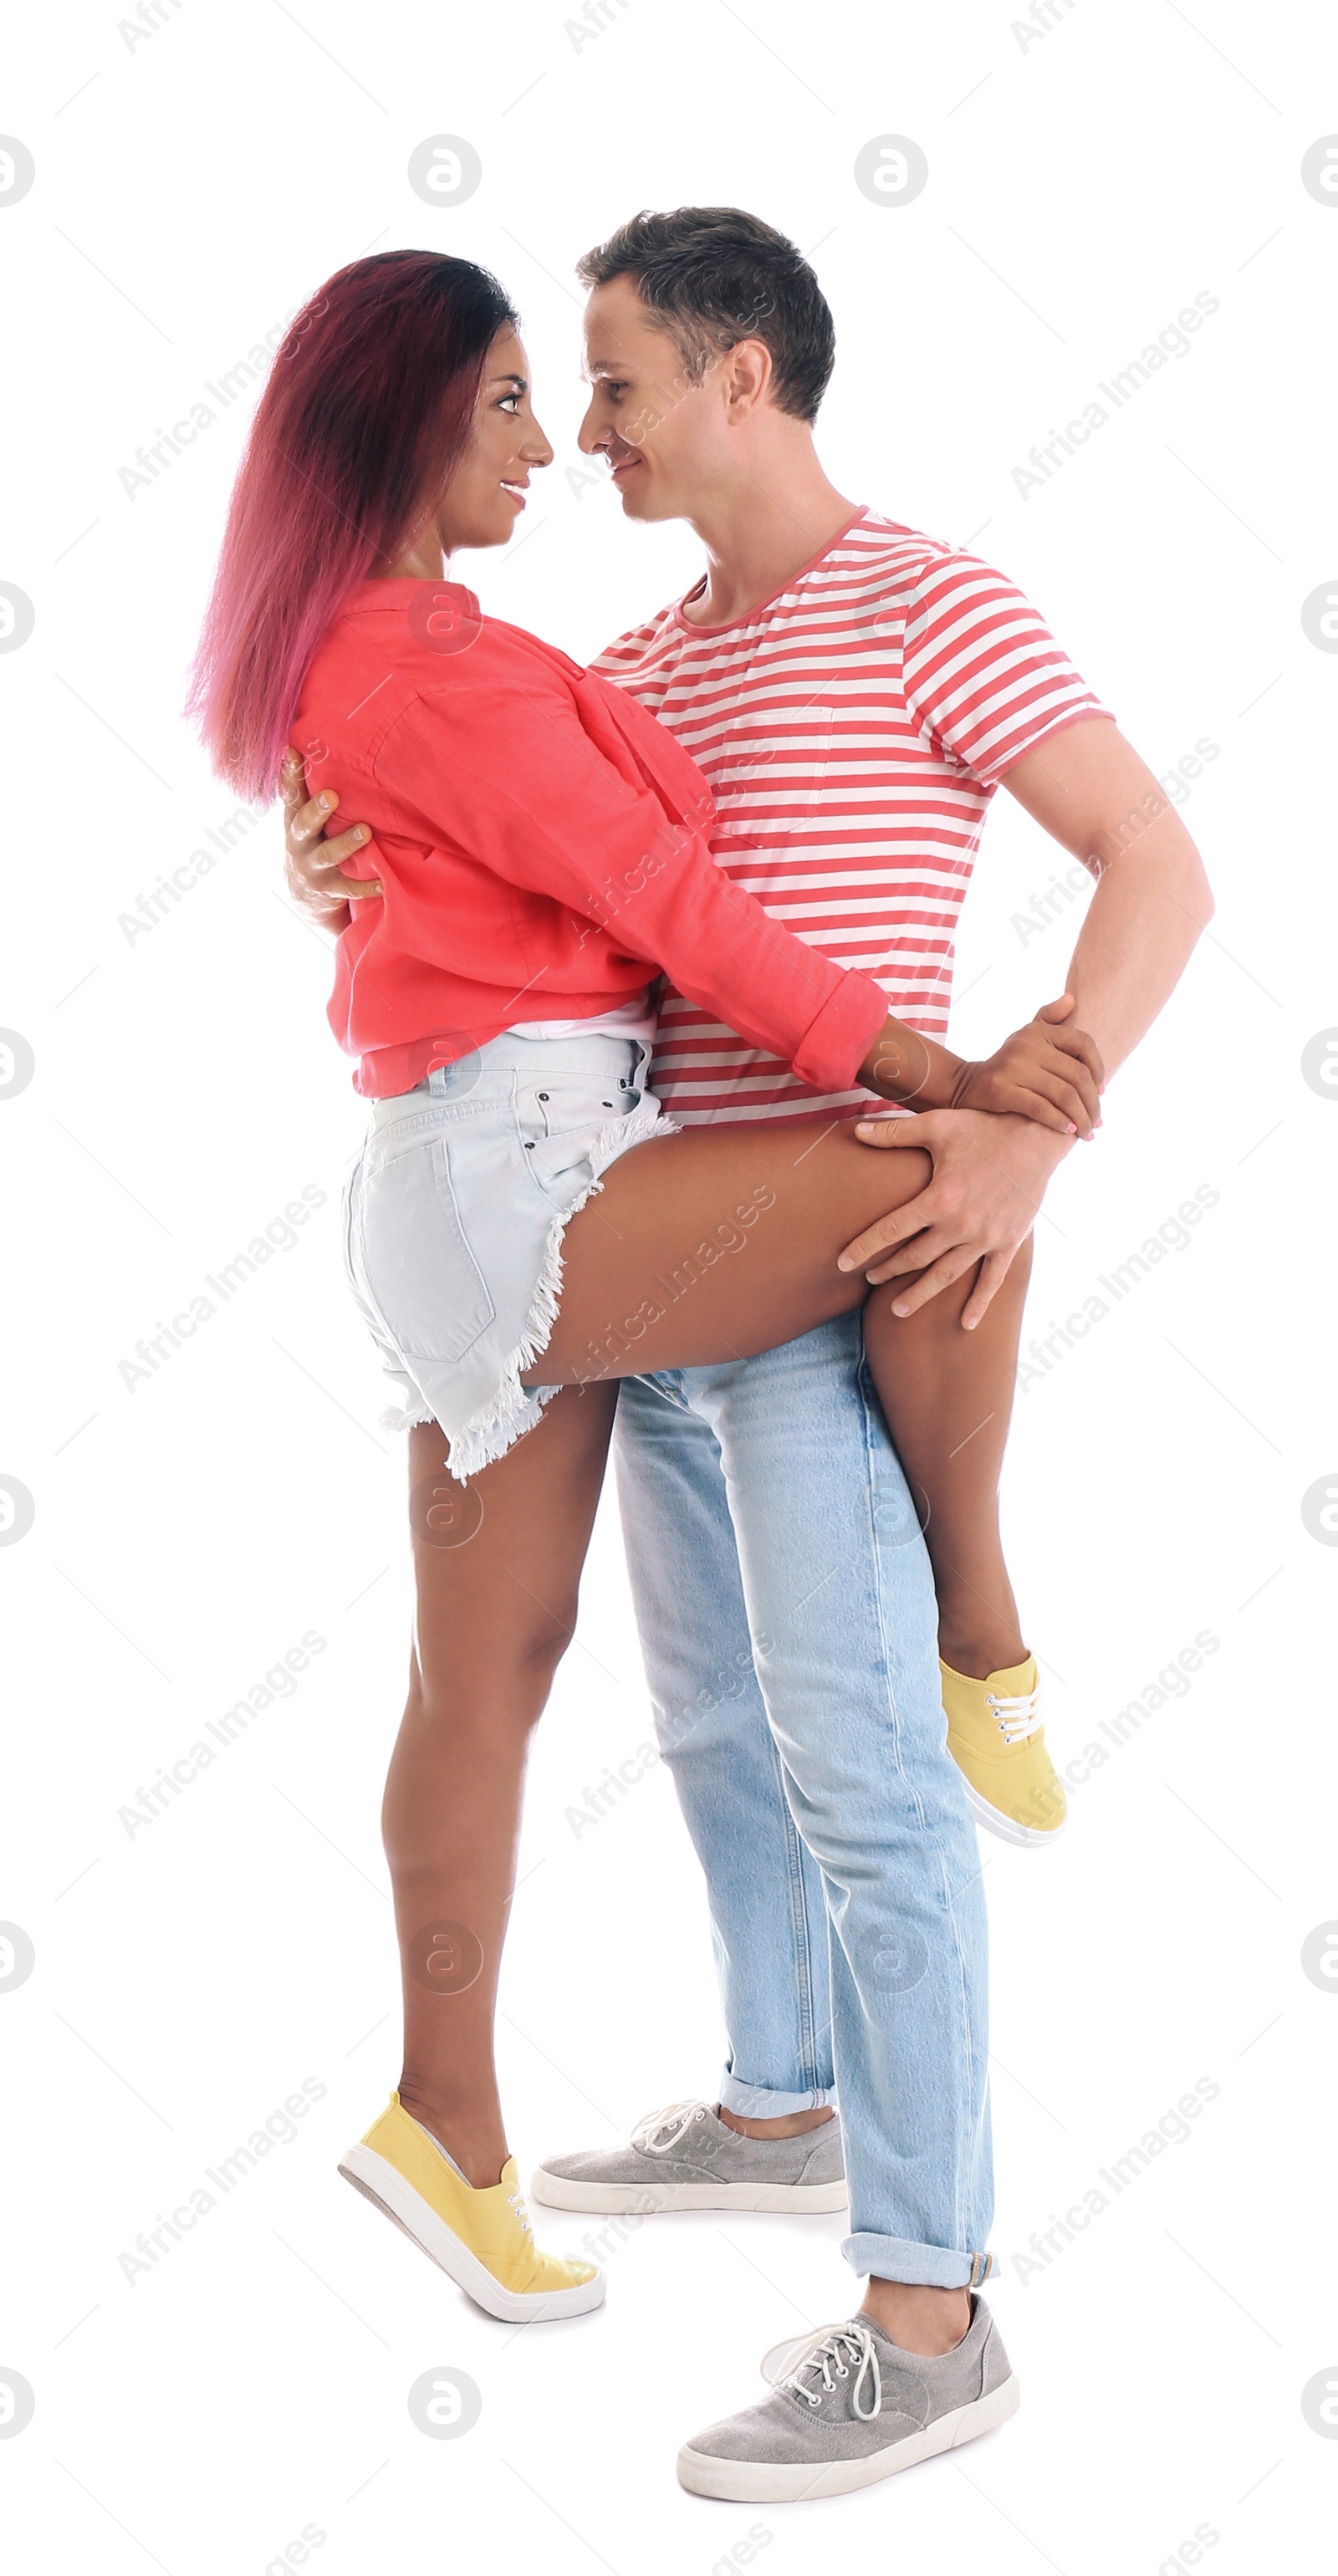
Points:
(853, 731)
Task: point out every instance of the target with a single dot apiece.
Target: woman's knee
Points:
(504, 1676)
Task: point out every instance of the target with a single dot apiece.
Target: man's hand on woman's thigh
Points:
(990, 1174)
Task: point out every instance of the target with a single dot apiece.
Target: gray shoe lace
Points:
(788, 2364)
(660, 2130)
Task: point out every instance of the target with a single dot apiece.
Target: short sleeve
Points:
(984, 679)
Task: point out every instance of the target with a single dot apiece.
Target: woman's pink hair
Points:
(363, 419)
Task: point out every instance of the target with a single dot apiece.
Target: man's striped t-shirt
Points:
(853, 730)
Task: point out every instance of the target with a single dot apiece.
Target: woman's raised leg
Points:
(720, 1242)
(497, 1564)
(717, 1242)
(948, 1397)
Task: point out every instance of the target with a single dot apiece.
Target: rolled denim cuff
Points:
(756, 2102)
(934, 2267)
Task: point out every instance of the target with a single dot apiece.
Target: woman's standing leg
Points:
(497, 1563)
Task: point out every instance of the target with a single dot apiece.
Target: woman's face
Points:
(485, 495)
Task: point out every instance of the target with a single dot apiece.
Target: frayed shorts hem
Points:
(455, 1217)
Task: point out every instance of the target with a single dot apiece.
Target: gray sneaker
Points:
(686, 2158)
(849, 2408)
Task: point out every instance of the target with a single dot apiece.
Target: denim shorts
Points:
(454, 1214)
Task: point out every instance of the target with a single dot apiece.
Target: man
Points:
(854, 693)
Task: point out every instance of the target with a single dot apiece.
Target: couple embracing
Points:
(646, 969)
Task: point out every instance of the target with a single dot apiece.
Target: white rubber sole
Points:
(646, 2200)
(379, 2181)
(767, 2482)
(1004, 1826)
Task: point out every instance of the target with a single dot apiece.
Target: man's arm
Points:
(1094, 795)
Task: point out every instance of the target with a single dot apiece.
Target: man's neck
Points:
(761, 529)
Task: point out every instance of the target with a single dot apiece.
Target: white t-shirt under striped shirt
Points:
(853, 730)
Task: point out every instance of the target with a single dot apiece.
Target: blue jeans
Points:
(787, 1618)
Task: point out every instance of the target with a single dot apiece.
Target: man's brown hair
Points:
(719, 276)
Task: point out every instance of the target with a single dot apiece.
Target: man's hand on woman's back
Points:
(313, 856)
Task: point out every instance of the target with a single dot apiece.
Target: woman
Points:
(515, 1244)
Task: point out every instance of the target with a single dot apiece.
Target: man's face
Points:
(665, 439)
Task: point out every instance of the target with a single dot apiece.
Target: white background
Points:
(191, 189)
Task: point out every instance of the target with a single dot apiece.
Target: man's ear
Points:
(748, 373)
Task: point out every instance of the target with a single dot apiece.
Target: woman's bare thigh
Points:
(716, 1243)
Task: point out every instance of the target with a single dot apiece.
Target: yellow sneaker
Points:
(482, 2238)
(997, 1741)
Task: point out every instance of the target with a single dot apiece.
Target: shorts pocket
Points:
(558, 1122)
(410, 1255)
